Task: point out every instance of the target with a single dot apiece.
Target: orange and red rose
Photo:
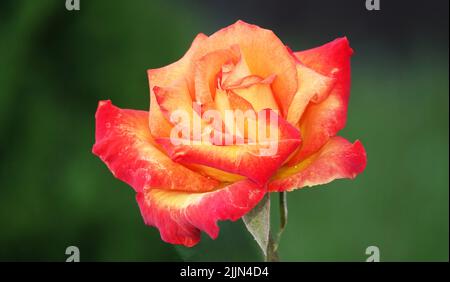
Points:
(184, 188)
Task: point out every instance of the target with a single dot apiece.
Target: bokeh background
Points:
(55, 65)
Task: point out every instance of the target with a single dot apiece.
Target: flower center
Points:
(237, 79)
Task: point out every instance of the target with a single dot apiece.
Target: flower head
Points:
(238, 116)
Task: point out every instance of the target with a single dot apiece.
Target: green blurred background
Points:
(55, 65)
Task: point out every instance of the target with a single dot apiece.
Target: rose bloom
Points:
(184, 188)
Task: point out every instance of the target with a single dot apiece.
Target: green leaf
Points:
(257, 222)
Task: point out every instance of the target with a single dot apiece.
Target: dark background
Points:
(55, 65)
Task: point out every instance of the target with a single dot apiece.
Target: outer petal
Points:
(312, 87)
(124, 143)
(337, 159)
(158, 124)
(181, 216)
(243, 159)
(172, 98)
(165, 77)
(322, 121)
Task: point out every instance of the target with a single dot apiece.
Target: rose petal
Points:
(176, 105)
(180, 216)
(258, 94)
(217, 174)
(173, 98)
(312, 87)
(322, 121)
(124, 143)
(165, 77)
(264, 54)
(206, 70)
(244, 159)
(337, 159)
(158, 124)
(239, 70)
(237, 102)
(181, 69)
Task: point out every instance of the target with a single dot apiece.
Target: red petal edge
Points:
(337, 159)
(321, 121)
(123, 142)
(181, 216)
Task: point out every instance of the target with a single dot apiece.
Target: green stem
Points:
(283, 217)
(272, 246)
(271, 253)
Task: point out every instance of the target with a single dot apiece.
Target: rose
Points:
(186, 187)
